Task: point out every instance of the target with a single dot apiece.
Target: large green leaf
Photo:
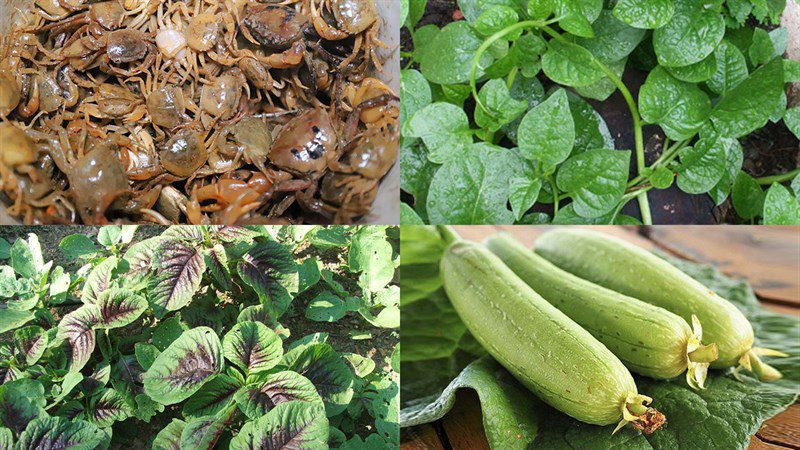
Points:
(202, 433)
(680, 108)
(371, 254)
(289, 425)
(99, 280)
(739, 112)
(547, 133)
(644, 13)
(183, 368)
(693, 33)
(31, 342)
(11, 319)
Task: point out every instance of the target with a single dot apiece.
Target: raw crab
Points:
(194, 111)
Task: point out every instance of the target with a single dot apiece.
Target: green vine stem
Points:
(779, 178)
(476, 60)
(552, 181)
(644, 204)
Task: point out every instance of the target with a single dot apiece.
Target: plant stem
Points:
(779, 178)
(448, 233)
(476, 60)
(555, 194)
(511, 76)
(644, 204)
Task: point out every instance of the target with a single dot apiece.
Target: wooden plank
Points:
(767, 257)
(422, 437)
(757, 444)
(464, 423)
(783, 429)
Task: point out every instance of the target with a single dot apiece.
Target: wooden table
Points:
(768, 257)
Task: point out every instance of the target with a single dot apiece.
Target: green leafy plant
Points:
(497, 124)
(440, 357)
(187, 333)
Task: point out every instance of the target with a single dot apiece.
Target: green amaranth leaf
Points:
(300, 424)
(77, 245)
(202, 433)
(269, 390)
(180, 268)
(326, 307)
(325, 368)
(252, 346)
(213, 397)
(183, 368)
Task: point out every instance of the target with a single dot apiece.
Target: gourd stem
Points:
(704, 354)
(779, 178)
(448, 234)
(637, 408)
(644, 204)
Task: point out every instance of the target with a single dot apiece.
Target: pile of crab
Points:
(194, 111)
